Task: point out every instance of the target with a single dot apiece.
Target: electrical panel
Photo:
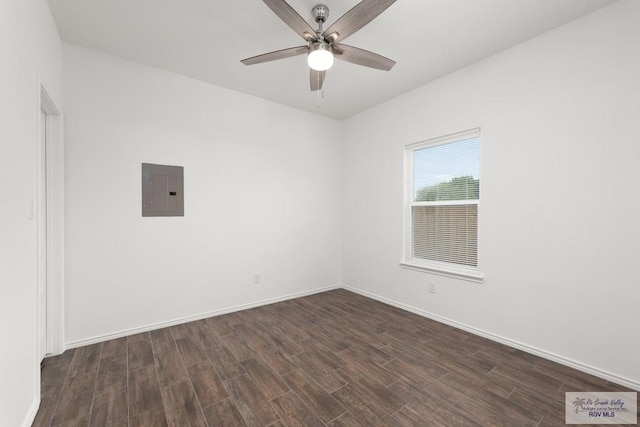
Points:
(162, 190)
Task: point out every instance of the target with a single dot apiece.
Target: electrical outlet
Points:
(432, 287)
(257, 278)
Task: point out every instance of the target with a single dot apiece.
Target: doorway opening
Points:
(49, 214)
(41, 224)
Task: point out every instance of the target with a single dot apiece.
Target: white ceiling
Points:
(206, 39)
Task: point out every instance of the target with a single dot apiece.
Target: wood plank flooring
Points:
(331, 359)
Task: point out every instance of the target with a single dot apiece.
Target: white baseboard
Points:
(515, 344)
(520, 346)
(159, 325)
(33, 411)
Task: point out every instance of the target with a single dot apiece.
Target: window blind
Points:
(444, 209)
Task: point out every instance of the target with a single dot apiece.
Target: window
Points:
(443, 196)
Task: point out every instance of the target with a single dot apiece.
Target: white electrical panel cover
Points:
(162, 190)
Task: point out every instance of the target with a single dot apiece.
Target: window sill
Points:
(470, 275)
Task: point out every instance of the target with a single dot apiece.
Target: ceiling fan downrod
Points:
(320, 13)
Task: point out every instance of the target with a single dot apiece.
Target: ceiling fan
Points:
(323, 45)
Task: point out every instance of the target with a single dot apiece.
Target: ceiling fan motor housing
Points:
(320, 13)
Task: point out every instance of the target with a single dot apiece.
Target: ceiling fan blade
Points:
(317, 79)
(359, 16)
(292, 19)
(362, 57)
(278, 54)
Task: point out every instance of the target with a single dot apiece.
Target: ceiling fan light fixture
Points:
(320, 56)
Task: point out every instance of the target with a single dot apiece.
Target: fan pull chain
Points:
(318, 102)
(318, 105)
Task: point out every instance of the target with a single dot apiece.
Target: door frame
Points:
(53, 240)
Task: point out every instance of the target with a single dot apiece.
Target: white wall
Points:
(29, 51)
(262, 195)
(560, 119)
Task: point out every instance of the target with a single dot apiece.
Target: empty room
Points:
(305, 213)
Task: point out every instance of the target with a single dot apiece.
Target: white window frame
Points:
(469, 273)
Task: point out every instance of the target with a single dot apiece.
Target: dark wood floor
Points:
(332, 359)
